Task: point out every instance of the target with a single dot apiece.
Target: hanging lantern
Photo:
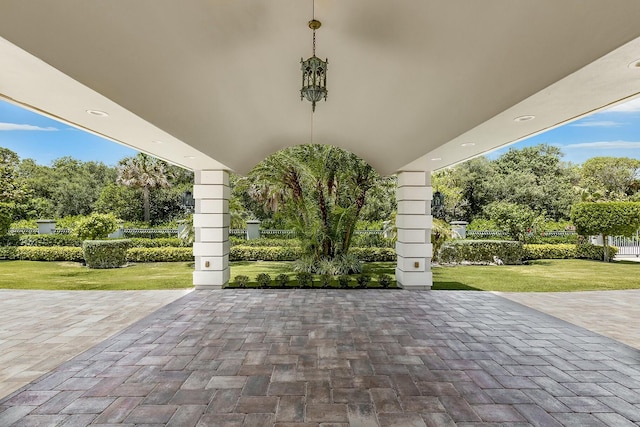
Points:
(314, 74)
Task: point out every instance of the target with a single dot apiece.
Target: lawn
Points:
(538, 276)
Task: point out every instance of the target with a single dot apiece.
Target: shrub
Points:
(105, 253)
(305, 279)
(8, 252)
(49, 253)
(594, 252)
(348, 264)
(264, 280)
(251, 253)
(162, 254)
(373, 254)
(50, 240)
(515, 219)
(241, 280)
(6, 217)
(95, 226)
(282, 279)
(440, 233)
(546, 251)
(160, 242)
(325, 280)
(9, 240)
(372, 240)
(267, 242)
(384, 280)
(482, 251)
(363, 280)
(344, 280)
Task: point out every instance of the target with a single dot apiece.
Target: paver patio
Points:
(333, 357)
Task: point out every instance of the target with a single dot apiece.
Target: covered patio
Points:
(334, 357)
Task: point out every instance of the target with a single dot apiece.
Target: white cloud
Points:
(597, 123)
(605, 145)
(16, 126)
(632, 106)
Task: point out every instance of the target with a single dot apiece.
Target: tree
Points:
(517, 220)
(610, 178)
(606, 218)
(10, 190)
(321, 190)
(144, 172)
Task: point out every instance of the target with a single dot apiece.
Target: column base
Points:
(211, 279)
(418, 281)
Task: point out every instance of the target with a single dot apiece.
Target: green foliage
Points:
(105, 253)
(159, 254)
(607, 218)
(363, 280)
(517, 220)
(482, 224)
(282, 279)
(42, 253)
(10, 190)
(268, 242)
(305, 279)
(481, 251)
(325, 280)
(145, 173)
(344, 281)
(6, 217)
(547, 251)
(264, 280)
(377, 240)
(241, 280)
(257, 253)
(95, 226)
(160, 242)
(372, 254)
(10, 240)
(49, 240)
(609, 178)
(440, 233)
(384, 280)
(124, 202)
(594, 252)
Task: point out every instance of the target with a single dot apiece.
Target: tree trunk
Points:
(605, 243)
(145, 199)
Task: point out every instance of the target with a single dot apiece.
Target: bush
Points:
(8, 252)
(344, 280)
(546, 251)
(264, 280)
(482, 251)
(160, 242)
(105, 253)
(282, 279)
(50, 240)
(384, 280)
(305, 279)
(372, 240)
(250, 253)
(163, 254)
(594, 252)
(373, 254)
(241, 280)
(6, 217)
(363, 280)
(268, 242)
(95, 226)
(325, 280)
(10, 240)
(49, 253)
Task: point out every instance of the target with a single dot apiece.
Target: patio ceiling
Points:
(216, 82)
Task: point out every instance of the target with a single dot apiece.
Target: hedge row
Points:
(41, 240)
(42, 253)
(166, 254)
(481, 251)
(105, 253)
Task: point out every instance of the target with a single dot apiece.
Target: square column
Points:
(211, 223)
(414, 223)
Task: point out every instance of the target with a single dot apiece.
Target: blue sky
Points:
(615, 132)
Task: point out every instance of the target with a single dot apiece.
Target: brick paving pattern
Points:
(332, 358)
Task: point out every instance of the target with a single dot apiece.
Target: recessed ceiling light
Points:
(468, 144)
(524, 118)
(190, 157)
(155, 141)
(435, 159)
(634, 64)
(98, 113)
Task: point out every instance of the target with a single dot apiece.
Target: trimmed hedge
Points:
(266, 242)
(50, 240)
(42, 253)
(594, 252)
(163, 254)
(563, 251)
(482, 251)
(105, 253)
(373, 254)
(160, 242)
(264, 253)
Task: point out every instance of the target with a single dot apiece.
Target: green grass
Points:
(538, 276)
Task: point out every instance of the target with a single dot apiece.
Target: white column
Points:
(211, 223)
(414, 223)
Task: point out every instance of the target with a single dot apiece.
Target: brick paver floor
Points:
(333, 357)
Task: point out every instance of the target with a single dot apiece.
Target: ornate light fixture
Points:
(314, 73)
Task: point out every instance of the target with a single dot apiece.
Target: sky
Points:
(614, 132)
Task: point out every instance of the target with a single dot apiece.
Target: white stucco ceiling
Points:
(217, 81)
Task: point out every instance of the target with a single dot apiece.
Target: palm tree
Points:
(144, 172)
